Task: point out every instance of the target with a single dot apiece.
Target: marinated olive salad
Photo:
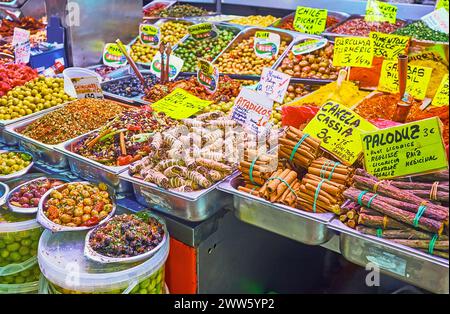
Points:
(127, 235)
(12, 162)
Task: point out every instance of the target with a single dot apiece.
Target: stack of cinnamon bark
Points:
(322, 188)
(399, 215)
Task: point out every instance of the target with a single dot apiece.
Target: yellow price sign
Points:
(388, 46)
(403, 150)
(441, 97)
(441, 4)
(353, 51)
(180, 104)
(339, 129)
(377, 11)
(310, 20)
(417, 80)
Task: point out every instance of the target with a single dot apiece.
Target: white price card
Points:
(273, 84)
(87, 87)
(437, 20)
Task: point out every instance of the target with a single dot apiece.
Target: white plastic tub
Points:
(75, 72)
(66, 269)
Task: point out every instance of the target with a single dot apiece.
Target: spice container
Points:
(56, 256)
(19, 236)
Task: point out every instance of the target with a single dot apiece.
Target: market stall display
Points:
(124, 139)
(12, 75)
(27, 22)
(255, 20)
(76, 205)
(39, 94)
(153, 9)
(74, 119)
(287, 22)
(358, 26)
(190, 50)
(129, 86)
(183, 10)
(316, 65)
(14, 164)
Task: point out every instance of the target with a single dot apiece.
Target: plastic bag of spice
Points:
(297, 116)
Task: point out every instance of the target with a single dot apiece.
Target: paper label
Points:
(441, 97)
(404, 150)
(309, 46)
(22, 52)
(203, 30)
(87, 87)
(377, 11)
(149, 35)
(417, 80)
(441, 4)
(175, 66)
(353, 51)
(273, 84)
(266, 44)
(389, 46)
(437, 20)
(208, 75)
(428, 55)
(310, 20)
(20, 36)
(339, 129)
(180, 104)
(252, 110)
(113, 56)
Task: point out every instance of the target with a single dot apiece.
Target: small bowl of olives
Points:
(14, 164)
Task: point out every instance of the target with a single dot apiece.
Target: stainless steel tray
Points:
(329, 34)
(301, 226)
(246, 33)
(13, 3)
(194, 206)
(151, 4)
(7, 139)
(341, 16)
(404, 263)
(91, 170)
(41, 152)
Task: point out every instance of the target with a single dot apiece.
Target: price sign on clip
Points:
(208, 75)
(310, 20)
(175, 66)
(203, 31)
(388, 46)
(441, 97)
(149, 35)
(266, 44)
(87, 87)
(353, 51)
(113, 56)
(377, 11)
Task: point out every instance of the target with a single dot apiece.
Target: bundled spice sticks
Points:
(298, 148)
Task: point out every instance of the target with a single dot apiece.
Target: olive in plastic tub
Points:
(19, 239)
(67, 271)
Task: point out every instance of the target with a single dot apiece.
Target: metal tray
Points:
(13, 3)
(194, 206)
(6, 138)
(92, 170)
(246, 33)
(341, 16)
(330, 35)
(301, 226)
(404, 263)
(151, 4)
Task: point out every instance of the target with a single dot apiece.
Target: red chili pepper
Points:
(99, 206)
(124, 160)
(91, 222)
(134, 128)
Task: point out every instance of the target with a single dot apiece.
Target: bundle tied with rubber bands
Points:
(298, 148)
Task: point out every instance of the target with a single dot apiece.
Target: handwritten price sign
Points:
(388, 46)
(273, 84)
(310, 20)
(416, 83)
(377, 11)
(441, 97)
(403, 150)
(353, 51)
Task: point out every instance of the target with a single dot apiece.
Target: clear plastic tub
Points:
(19, 239)
(67, 271)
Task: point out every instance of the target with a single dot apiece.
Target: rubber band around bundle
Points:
(419, 214)
(294, 150)
(336, 164)
(285, 182)
(385, 221)
(432, 244)
(369, 203)
(323, 171)
(316, 195)
(379, 233)
(251, 170)
(434, 191)
(360, 196)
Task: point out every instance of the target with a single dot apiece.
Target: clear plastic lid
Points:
(62, 261)
(15, 222)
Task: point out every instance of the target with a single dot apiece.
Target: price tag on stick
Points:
(175, 66)
(203, 31)
(353, 51)
(339, 129)
(310, 20)
(441, 97)
(273, 84)
(377, 11)
(113, 56)
(149, 35)
(404, 150)
(266, 44)
(417, 80)
(208, 75)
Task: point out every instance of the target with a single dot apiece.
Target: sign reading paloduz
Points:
(403, 150)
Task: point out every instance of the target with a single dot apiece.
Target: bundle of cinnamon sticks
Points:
(282, 187)
(298, 147)
(257, 168)
(331, 170)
